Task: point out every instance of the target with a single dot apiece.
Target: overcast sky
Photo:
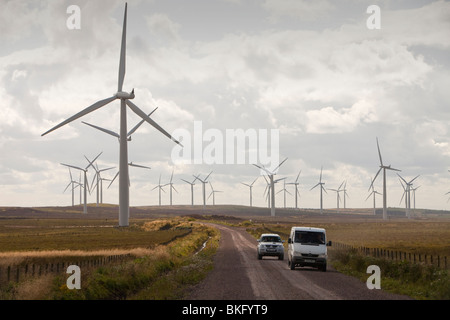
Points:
(310, 71)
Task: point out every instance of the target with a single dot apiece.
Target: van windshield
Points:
(309, 237)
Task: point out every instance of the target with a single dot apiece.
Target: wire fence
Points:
(16, 273)
(396, 255)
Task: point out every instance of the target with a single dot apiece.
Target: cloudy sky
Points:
(309, 73)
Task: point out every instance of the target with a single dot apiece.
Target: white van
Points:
(307, 247)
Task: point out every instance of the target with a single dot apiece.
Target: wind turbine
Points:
(98, 177)
(338, 197)
(71, 183)
(171, 187)
(160, 187)
(374, 192)
(270, 175)
(284, 192)
(86, 183)
(407, 194)
(384, 168)
(251, 187)
(344, 190)
(204, 181)
(192, 189)
(125, 100)
(213, 193)
(295, 183)
(322, 188)
(414, 196)
(131, 164)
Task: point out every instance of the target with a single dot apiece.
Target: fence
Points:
(395, 255)
(15, 273)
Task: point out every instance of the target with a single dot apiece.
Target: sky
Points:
(319, 81)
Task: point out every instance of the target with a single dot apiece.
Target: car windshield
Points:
(308, 237)
(270, 239)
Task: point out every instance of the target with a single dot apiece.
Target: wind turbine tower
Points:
(270, 175)
(192, 189)
(384, 168)
(204, 182)
(322, 188)
(251, 187)
(125, 100)
(297, 193)
(407, 194)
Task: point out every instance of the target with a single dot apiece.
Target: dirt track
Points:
(239, 275)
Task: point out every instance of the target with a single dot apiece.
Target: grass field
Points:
(163, 240)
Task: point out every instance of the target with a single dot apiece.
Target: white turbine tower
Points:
(384, 168)
(160, 187)
(171, 187)
(407, 194)
(270, 175)
(72, 183)
(204, 182)
(86, 183)
(322, 188)
(338, 197)
(373, 193)
(251, 187)
(213, 192)
(125, 100)
(297, 193)
(284, 192)
(192, 189)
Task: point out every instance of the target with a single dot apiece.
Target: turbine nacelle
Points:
(125, 95)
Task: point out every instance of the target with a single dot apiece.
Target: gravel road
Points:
(239, 275)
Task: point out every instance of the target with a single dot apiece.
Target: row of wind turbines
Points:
(124, 136)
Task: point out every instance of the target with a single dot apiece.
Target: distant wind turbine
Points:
(270, 175)
(407, 194)
(322, 188)
(213, 192)
(284, 190)
(297, 193)
(192, 189)
(204, 181)
(373, 193)
(160, 187)
(86, 183)
(98, 179)
(125, 100)
(338, 197)
(384, 168)
(171, 187)
(72, 183)
(251, 187)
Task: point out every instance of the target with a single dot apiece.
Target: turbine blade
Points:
(371, 185)
(140, 113)
(138, 165)
(140, 123)
(113, 179)
(123, 51)
(275, 170)
(89, 109)
(379, 153)
(68, 165)
(314, 186)
(102, 129)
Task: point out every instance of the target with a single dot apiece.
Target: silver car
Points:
(270, 244)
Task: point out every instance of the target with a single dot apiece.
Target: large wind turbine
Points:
(384, 168)
(204, 181)
(295, 183)
(270, 175)
(125, 100)
(86, 183)
(322, 188)
(251, 187)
